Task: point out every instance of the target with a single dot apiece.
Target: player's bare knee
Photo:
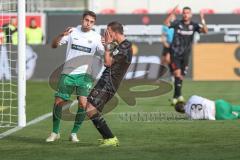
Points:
(82, 102)
(177, 73)
(59, 101)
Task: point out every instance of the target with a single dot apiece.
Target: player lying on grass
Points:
(181, 46)
(81, 41)
(117, 62)
(202, 108)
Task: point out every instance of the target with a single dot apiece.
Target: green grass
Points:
(161, 139)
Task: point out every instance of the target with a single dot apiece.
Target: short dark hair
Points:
(188, 8)
(116, 27)
(179, 107)
(89, 13)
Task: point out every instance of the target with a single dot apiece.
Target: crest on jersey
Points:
(89, 41)
(115, 52)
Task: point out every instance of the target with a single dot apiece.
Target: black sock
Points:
(178, 87)
(101, 126)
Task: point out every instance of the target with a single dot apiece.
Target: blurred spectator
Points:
(108, 11)
(236, 11)
(10, 31)
(178, 11)
(140, 11)
(34, 33)
(2, 37)
(207, 11)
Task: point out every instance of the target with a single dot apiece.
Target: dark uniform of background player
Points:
(181, 46)
(117, 61)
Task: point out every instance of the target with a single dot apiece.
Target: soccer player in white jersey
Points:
(202, 108)
(81, 41)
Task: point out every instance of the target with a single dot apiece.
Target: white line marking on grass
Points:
(34, 121)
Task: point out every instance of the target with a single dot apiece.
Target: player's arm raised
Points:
(106, 42)
(57, 39)
(204, 28)
(167, 21)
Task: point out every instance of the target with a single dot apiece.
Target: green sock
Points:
(78, 120)
(57, 114)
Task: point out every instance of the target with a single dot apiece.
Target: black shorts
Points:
(179, 63)
(101, 94)
(165, 51)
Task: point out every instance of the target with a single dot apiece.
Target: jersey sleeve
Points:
(164, 29)
(197, 27)
(64, 40)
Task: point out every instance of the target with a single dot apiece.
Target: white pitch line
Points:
(34, 121)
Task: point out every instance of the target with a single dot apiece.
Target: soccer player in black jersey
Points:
(117, 61)
(181, 46)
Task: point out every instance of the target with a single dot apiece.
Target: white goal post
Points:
(21, 63)
(12, 64)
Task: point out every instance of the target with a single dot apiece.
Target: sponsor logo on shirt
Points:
(184, 32)
(81, 48)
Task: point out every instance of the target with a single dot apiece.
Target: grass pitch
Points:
(164, 138)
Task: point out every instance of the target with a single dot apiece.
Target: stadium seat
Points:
(140, 11)
(207, 11)
(108, 11)
(236, 11)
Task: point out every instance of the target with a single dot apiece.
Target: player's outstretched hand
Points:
(175, 9)
(67, 31)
